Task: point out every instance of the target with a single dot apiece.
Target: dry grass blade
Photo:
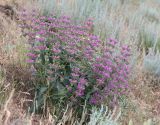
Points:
(6, 113)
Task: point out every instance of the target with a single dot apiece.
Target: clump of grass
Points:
(2, 88)
(142, 103)
(103, 117)
(151, 62)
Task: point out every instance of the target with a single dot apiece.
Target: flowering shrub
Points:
(72, 64)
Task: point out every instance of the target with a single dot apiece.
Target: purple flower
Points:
(41, 32)
(100, 81)
(82, 81)
(32, 55)
(79, 93)
(107, 68)
(69, 88)
(40, 39)
(96, 99)
(73, 81)
(56, 50)
(80, 87)
(106, 75)
(30, 61)
(55, 57)
(74, 75)
(41, 47)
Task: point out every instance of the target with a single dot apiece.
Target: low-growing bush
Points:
(148, 37)
(151, 62)
(72, 65)
(103, 116)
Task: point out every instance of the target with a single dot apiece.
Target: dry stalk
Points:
(6, 113)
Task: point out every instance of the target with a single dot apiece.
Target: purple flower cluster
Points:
(98, 69)
(78, 81)
(111, 71)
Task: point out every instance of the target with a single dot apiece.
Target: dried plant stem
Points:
(6, 113)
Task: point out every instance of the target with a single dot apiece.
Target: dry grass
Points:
(13, 67)
(144, 99)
